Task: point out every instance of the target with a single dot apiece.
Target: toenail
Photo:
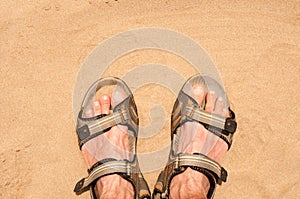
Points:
(96, 103)
(104, 97)
(198, 91)
(89, 112)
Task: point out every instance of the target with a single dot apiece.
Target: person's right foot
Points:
(191, 183)
(113, 144)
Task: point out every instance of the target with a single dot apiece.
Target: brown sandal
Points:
(186, 109)
(88, 128)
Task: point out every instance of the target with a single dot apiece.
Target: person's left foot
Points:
(191, 183)
(112, 144)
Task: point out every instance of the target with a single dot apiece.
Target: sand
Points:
(255, 46)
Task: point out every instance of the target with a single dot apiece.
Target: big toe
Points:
(199, 94)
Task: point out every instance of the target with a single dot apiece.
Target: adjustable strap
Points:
(125, 169)
(111, 167)
(199, 162)
(221, 126)
(228, 125)
(186, 109)
(98, 126)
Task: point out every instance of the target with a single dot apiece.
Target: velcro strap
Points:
(201, 161)
(113, 167)
(108, 121)
(94, 128)
(228, 125)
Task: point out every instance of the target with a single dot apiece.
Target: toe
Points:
(96, 107)
(194, 132)
(89, 113)
(211, 98)
(105, 104)
(219, 106)
(199, 93)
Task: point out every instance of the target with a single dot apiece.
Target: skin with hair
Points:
(189, 184)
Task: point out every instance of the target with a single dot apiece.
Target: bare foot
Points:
(112, 144)
(196, 139)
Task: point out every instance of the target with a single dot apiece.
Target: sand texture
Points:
(254, 44)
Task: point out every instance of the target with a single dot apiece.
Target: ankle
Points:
(189, 184)
(112, 186)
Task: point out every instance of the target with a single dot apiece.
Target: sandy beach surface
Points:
(254, 44)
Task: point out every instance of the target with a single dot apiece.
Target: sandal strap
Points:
(124, 113)
(125, 169)
(112, 167)
(100, 125)
(187, 109)
(199, 162)
(228, 125)
(220, 126)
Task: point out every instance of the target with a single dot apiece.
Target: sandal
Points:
(186, 109)
(123, 112)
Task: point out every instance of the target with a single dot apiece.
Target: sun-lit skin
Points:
(189, 184)
(193, 184)
(111, 186)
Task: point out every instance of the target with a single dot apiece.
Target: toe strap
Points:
(199, 162)
(223, 127)
(187, 109)
(93, 128)
(228, 125)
